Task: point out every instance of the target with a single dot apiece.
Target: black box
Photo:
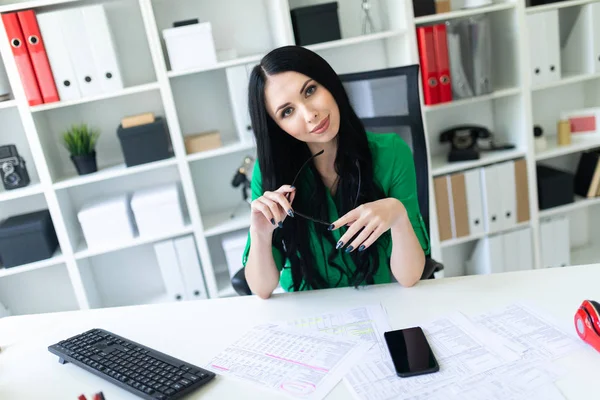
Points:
(423, 7)
(316, 24)
(534, 3)
(145, 143)
(555, 187)
(27, 238)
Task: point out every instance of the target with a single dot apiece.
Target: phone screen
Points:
(410, 352)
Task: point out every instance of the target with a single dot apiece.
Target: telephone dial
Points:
(468, 140)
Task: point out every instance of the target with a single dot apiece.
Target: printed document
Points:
(291, 361)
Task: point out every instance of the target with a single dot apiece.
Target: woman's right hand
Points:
(270, 210)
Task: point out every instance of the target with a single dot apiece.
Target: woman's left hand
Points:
(373, 218)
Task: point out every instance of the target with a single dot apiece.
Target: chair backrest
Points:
(388, 100)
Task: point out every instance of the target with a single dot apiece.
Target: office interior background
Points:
(161, 215)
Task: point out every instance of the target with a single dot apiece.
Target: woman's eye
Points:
(287, 112)
(310, 90)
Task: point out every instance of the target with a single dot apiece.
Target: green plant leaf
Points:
(80, 139)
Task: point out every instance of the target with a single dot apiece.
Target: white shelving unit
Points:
(197, 100)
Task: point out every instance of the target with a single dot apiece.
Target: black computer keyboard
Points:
(141, 370)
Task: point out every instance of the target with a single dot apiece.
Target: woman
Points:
(332, 204)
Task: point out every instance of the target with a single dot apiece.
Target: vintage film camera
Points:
(12, 168)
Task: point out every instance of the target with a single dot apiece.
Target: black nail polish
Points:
(272, 221)
(291, 213)
(280, 224)
(339, 244)
(330, 228)
(349, 249)
(293, 187)
(361, 247)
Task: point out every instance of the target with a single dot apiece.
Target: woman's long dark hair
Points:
(280, 156)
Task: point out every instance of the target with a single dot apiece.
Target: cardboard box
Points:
(136, 120)
(202, 142)
(442, 6)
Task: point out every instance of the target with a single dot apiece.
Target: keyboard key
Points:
(191, 377)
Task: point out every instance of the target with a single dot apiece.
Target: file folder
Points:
(459, 212)
(22, 58)
(80, 52)
(429, 71)
(491, 198)
(166, 256)
(189, 266)
(521, 190)
(237, 84)
(442, 203)
(474, 201)
(102, 46)
(506, 183)
(58, 55)
(37, 53)
(440, 42)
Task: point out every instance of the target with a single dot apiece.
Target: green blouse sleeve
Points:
(403, 186)
(256, 187)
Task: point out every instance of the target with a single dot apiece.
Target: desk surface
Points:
(194, 331)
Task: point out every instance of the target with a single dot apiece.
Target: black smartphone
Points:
(410, 352)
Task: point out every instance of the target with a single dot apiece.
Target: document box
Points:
(107, 221)
(27, 238)
(157, 209)
(190, 46)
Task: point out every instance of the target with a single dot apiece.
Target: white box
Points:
(107, 221)
(234, 246)
(190, 46)
(157, 210)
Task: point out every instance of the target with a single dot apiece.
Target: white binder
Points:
(190, 268)
(577, 46)
(102, 46)
(562, 248)
(511, 250)
(508, 193)
(594, 34)
(474, 201)
(487, 257)
(525, 246)
(237, 83)
(58, 55)
(552, 43)
(547, 244)
(492, 205)
(537, 49)
(169, 269)
(80, 53)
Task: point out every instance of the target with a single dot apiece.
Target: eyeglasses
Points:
(316, 220)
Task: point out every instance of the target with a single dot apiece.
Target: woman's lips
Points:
(322, 127)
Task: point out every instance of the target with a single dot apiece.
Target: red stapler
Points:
(587, 323)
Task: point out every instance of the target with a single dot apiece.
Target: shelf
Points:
(580, 202)
(27, 4)
(124, 92)
(84, 252)
(30, 190)
(578, 143)
(7, 104)
(465, 239)
(440, 165)
(567, 80)
(477, 99)
(463, 13)
(226, 149)
(115, 171)
(554, 6)
(217, 224)
(354, 40)
(49, 262)
(219, 65)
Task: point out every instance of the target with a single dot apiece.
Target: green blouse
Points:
(395, 172)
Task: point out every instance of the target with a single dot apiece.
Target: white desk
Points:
(195, 331)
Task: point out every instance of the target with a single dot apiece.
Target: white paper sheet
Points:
(290, 361)
(461, 349)
(521, 324)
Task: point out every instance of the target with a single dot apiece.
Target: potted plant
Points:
(80, 140)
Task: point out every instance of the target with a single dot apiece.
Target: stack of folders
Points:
(502, 252)
(456, 59)
(180, 269)
(482, 200)
(555, 242)
(587, 177)
(68, 53)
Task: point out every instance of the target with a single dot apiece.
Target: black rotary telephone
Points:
(468, 140)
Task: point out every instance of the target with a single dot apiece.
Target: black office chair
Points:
(387, 100)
